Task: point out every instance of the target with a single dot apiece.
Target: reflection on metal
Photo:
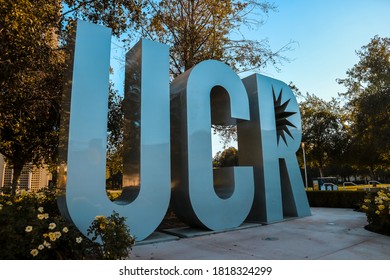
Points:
(194, 198)
(86, 161)
(146, 154)
(279, 190)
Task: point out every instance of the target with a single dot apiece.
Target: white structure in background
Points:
(31, 178)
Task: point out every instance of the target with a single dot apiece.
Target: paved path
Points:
(329, 234)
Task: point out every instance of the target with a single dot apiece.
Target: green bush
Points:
(31, 227)
(114, 235)
(336, 199)
(377, 208)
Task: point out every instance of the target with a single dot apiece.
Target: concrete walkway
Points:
(329, 234)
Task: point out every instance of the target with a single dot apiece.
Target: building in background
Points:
(31, 178)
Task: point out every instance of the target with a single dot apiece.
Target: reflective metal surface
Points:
(269, 133)
(149, 168)
(269, 143)
(194, 197)
(86, 161)
(146, 162)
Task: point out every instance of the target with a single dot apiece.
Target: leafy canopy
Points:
(197, 30)
(368, 103)
(323, 131)
(33, 38)
(30, 70)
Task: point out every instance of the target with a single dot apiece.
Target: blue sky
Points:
(327, 34)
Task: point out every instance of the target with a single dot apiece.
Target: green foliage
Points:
(336, 199)
(368, 97)
(119, 15)
(210, 29)
(198, 30)
(33, 58)
(377, 208)
(228, 157)
(31, 227)
(31, 66)
(114, 235)
(371, 73)
(323, 132)
(353, 138)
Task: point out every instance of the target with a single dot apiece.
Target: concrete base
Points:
(157, 237)
(329, 234)
(187, 232)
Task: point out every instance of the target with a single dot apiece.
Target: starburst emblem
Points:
(281, 117)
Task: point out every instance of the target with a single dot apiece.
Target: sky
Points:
(327, 34)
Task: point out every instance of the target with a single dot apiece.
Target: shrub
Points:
(114, 235)
(31, 227)
(336, 199)
(377, 208)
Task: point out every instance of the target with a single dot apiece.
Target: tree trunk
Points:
(373, 177)
(15, 179)
(321, 174)
(54, 178)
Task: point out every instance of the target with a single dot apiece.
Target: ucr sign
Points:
(168, 141)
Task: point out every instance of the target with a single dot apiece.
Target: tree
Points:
(228, 157)
(197, 30)
(323, 132)
(120, 15)
(33, 37)
(368, 104)
(30, 68)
